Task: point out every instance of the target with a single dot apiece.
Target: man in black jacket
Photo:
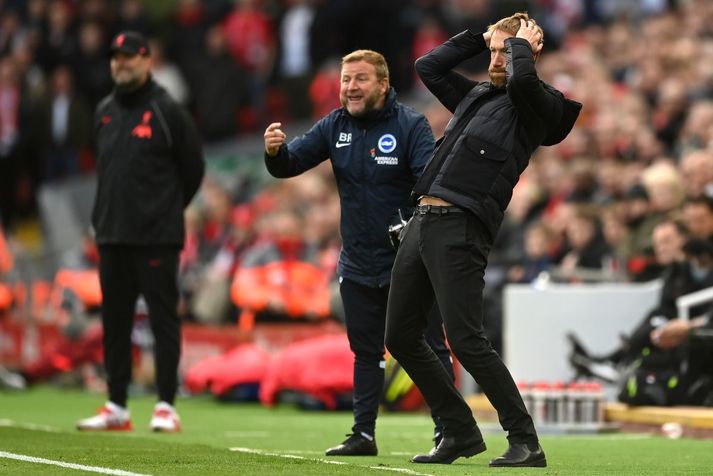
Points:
(150, 165)
(461, 197)
(378, 148)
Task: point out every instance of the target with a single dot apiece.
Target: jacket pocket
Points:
(474, 167)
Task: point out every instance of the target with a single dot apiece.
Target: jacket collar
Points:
(478, 90)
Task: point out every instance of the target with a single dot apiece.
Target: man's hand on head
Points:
(486, 36)
(530, 32)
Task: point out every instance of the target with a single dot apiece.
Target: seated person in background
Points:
(538, 245)
(692, 340)
(589, 254)
(640, 219)
(654, 350)
(280, 277)
(669, 238)
(697, 214)
(217, 235)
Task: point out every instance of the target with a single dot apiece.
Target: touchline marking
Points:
(302, 452)
(398, 470)
(28, 426)
(81, 467)
(326, 461)
(280, 455)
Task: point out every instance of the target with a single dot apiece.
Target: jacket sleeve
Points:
(435, 68)
(420, 146)
(302, 153)
(535, 105)
(188, 154)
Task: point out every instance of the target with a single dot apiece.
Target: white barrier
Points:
(685, 303)
(536, 322)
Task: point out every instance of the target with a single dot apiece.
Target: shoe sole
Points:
(352, 454)
(469, 452)
(104, 429)
(540, 463)
(165, 430)
(465, 453)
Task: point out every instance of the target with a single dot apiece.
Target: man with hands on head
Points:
(461, 198)
(378, 148)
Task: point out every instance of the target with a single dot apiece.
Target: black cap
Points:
(130, 42)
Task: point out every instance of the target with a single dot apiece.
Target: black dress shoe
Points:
(451, 448)
(518, 455)
(355, 445)
(437, 437)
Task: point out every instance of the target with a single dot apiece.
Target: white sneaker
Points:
(165, 418)
(110, 417)
(11, 380)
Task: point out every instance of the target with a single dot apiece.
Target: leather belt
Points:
(437, 209)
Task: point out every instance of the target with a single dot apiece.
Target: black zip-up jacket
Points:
(149, 167)
(483, 165)
(376, 162)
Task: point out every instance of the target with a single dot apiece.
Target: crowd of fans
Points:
(233, 63)
(640, 154)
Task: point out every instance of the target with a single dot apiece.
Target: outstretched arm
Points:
(302, 154)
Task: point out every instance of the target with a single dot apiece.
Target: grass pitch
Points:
(247, 439)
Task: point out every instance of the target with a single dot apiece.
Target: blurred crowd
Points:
(585, 210)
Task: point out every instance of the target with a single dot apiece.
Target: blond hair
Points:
(511, 24)
(371, 57)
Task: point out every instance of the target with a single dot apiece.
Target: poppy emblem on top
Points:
(387, 143)
(119, 40)
(143, 130)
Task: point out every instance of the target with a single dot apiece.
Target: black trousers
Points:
(444, 256)
(365, 313)
(124, 273)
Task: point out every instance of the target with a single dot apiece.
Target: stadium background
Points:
(583, 211)
(643, 69)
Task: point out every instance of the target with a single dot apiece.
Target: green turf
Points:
(211, 429)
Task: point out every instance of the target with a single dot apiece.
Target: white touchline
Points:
(398, 470)
(326, 461)
(28, 426)
(81, 467)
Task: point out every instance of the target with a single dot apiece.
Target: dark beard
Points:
(128, 87)
(497, 81)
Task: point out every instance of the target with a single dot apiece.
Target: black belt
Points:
(438, 209)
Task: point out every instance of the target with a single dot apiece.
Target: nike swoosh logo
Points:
(342, 144)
